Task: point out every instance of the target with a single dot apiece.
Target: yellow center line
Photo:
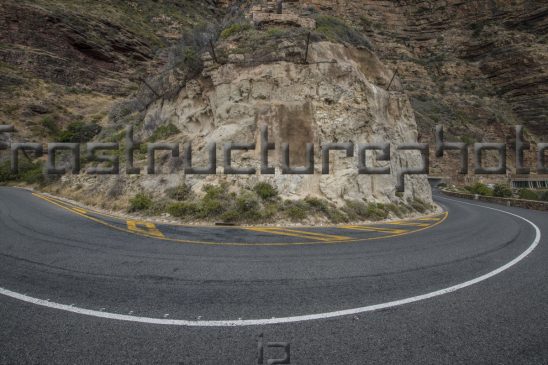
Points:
(297, 233)
(79, 210)
(375, 229)
(410, 224)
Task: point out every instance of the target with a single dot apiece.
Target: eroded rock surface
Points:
(320, 102)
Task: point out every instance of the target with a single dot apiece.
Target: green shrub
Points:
(276, 32)
(502, 191)
(214, 191)
(29, 172)
(336, 30)
(79, 132)
(183, 210)
(192, 60)
(357, 209)
(50, 125)
(234, 29)
(336, 216)
(248, 206)
(295, 210)
(397, 210)
(211, 207)
(118, 136)
(32, 173)
(527, 194)
(296, 213)
(319, 205)
(479, 188)
(163, 132)
(139, 202)
(376, 211)
(270, 210)
(543, 196)
(215, 201)
(265, 190)
(419, 205)
(158, 207)
(143, 150)
(5, 172)
(179, 193)
(231, 216)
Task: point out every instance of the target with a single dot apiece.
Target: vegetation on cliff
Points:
(262, 204)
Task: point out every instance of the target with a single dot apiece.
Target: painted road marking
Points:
(375, 229)
(147, 228)
(80, 210)
(300, 318)
(409, 224)
(300, 234)
(430, 219)
(117, 227)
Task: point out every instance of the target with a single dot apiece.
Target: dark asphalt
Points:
(48, 252)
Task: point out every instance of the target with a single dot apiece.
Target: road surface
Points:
(466, 286)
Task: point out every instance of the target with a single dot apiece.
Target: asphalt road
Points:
(464, 287)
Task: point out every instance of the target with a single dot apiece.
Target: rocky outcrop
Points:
(264, 76)
(260, 18)
(68, 48)
(79, 57)
(266, 14)
(477, 67)
(299, 103)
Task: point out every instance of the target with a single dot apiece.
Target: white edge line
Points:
(258, 322)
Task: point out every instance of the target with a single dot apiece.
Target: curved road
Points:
(466, 286)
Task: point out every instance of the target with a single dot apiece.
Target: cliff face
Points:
(63, 61)
(472, 49)
(319, 102)
(476, 67)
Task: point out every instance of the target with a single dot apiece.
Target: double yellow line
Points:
(408, 224)
(376, 229)
(301, 234)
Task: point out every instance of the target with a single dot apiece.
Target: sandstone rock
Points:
(283, 19)
(301, 104)
(236, 57)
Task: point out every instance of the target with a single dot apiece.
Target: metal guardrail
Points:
(509, 202)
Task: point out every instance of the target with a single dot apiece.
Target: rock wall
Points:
(318, 103)
(476, 67)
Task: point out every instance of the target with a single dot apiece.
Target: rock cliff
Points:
(71, 69)
(318, 102)
(476, 67)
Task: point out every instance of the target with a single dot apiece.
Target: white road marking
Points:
(309, 317)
